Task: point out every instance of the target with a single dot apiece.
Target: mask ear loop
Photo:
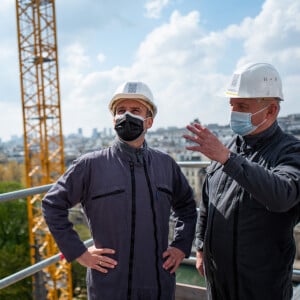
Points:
(264, 121)
(146, 129)
(261, 110)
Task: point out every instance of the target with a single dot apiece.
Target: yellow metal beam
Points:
(43, 139)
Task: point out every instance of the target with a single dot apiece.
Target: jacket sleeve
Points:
(277, 188)
(184, 208)
(66, 193)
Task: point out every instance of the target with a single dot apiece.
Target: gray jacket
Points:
(249, 209)
(127, 196)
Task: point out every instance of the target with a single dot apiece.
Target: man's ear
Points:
(149, 122)
(273, 110)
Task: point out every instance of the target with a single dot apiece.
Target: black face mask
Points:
(129, 127)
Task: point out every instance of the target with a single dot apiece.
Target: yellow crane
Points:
(43, 139)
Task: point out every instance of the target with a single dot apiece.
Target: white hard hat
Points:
(136, 90)
(255, 80)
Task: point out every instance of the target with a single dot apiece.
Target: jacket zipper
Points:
(155, 229)
(132, 241)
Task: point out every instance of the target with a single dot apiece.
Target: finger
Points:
(200, 268)
(201, 271)
(107, 263)
(173, 270)
(170, 262)
(190, 138)
(100, 269)
(104, 251)
(198, 126)
(103, 267)
(194, 148)
(174, 265)
(199, 134)
(192, 129)
(174, 253)
(166, 253)
(108, 250)
(197, 140)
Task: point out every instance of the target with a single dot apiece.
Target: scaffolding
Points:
(43, 139)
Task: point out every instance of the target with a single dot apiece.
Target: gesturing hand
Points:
(207, 143)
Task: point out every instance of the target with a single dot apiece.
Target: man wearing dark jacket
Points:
(251, 195)
(127, 192)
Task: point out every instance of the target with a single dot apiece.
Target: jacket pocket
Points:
(110, 191)
(108, 212)
(164, 193)
(164, 189)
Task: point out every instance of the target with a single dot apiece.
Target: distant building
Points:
(80, 132)
(290, 123)
(168, 139)
(95, 133)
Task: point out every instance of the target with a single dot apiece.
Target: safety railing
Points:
(31, 270)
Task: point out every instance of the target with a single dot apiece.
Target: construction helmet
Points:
(255, 80)
(136, 90)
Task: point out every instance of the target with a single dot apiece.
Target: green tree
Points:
(14, 246)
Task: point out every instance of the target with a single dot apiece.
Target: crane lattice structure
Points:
(43, 139)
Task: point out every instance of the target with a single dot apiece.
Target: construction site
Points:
(44, 154)
(43, 143)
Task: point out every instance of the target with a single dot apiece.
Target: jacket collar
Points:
(253, 142)
(130, 153)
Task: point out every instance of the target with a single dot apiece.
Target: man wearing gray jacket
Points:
(251, 194)
(127, 192)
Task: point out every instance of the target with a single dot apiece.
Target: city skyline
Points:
(292, 120)
(185, 51)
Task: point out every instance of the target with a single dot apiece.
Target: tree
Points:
(12, 171)
(14, 247)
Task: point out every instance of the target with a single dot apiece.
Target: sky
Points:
(184, 50)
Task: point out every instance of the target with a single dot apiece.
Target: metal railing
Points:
(24, 193)
(31, 270)
(9, 280)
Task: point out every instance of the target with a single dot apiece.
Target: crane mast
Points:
(43, 139)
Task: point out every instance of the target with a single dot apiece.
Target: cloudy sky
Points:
(185, 50)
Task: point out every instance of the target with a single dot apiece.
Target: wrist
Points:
(226, 157)
(230, 155)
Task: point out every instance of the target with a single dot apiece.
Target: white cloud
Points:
(101, 57)
(154, 8)
(76, 58)
(182, 63)
(176, 61)
(274, 32)
(186, 67)
(179, 61)
(274, 36)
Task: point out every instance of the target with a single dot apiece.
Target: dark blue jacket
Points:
(249, 209)
(127, 196)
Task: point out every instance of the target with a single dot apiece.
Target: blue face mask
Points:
(240, 122)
